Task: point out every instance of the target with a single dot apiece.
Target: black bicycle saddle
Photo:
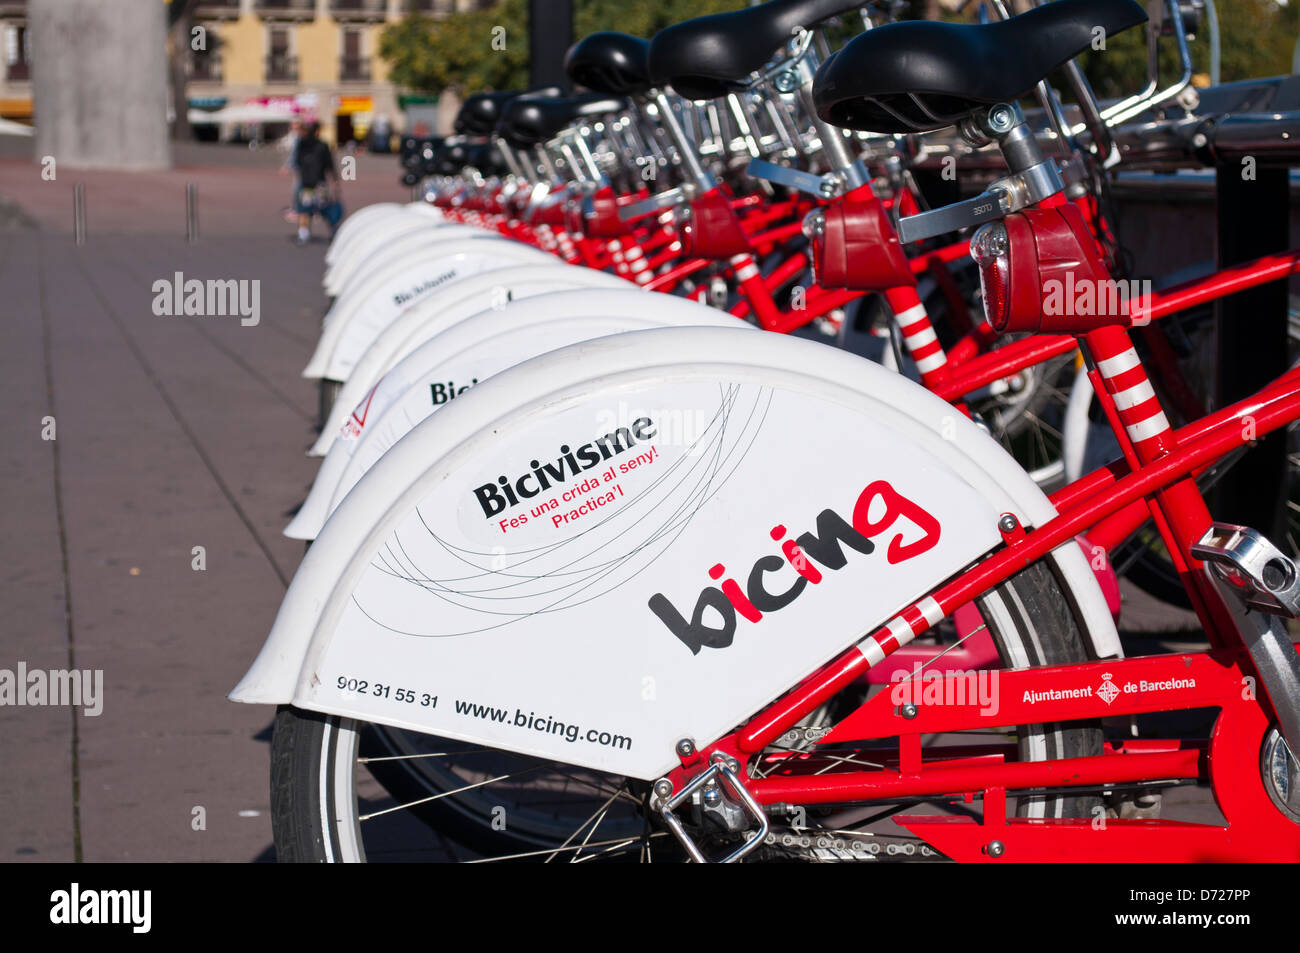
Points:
(448, 159)
(481, 112)
(487, 159)
(708, 57)
(919, 75)
(610, 63)
(527, 121)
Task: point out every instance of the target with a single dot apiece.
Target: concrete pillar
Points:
(99, 82)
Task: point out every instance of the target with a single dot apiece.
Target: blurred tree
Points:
(488, 49)
(485, 49)
(643, 18)
(1256, 39)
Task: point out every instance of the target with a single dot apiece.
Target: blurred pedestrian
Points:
(314, 162)
(288, 144)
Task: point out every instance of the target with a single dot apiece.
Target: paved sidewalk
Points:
(171, 433)
(240, 193)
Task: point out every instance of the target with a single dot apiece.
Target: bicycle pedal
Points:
(1256, 571)
(723, 769)
(1251, 573)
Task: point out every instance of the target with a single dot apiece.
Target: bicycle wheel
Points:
(451, 801)
(1024, 412)
(329, 392)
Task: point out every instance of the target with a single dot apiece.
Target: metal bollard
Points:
(79, 212)
(191, 212)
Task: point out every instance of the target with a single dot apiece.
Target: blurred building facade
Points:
(15, 61)
(315, 58)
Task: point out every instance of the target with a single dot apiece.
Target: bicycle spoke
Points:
(522, 855)
(433, 754)
(443, 794)
(599, 811)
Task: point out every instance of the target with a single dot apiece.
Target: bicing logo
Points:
(807, 554)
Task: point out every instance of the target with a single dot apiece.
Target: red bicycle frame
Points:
(1154, 479)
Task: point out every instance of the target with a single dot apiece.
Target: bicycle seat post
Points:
(700, 177)
(1031, 178)
(641, 129)
(547, 165)
(844, 165)
(577, 153)
(743, 126)
(1004, 123)
(510, 158)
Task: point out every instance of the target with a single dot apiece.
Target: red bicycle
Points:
(810, 773)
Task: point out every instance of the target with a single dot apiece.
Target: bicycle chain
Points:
(807, 844)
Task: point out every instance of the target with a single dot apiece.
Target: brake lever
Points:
(654, 203)
(542, 195)
(985, 207)
(1008, 194)
(818, 186)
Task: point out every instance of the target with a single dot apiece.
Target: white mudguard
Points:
(357, 223)
(369, 216)
(421, 236)
(389, 230)
(533, 568)
(360, 361)
(375, 218)
(453, 361)
(400, 284)
(379, 247)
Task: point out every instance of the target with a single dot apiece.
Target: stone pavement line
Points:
(145, 259)
(280, 395)
(128, 265)
(173, 641)
(283, 300)
(307, 291)
(137, 495)
(35, 742)
(69, 626)
(176, 414)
